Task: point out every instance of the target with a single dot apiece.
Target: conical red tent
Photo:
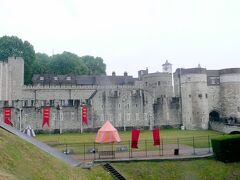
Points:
(107, 134)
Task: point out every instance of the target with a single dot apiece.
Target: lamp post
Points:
(59, 108)
(20, 118)
(124, 127)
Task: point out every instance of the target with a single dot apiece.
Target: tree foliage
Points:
(40, 63)
(95, 65)
(13, 46)
(67, 63)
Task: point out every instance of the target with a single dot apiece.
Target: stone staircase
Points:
(115, 174)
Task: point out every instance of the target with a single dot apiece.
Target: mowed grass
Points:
(185, 169)
(125, 135)
(21, 160)
(169, 136)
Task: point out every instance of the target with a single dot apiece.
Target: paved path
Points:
(69, 160)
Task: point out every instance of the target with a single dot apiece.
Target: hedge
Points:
(227, 148)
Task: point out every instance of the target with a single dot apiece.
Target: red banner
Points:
(85, 115)
(156, 136)
(46, 116)
(7, 115)
(135, 137)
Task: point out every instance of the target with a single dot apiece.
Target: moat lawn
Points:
(168, 135)
(184, 169)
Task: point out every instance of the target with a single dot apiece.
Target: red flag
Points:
(84, 115)
(46, 116)
(156, 136)
(7, 116)
(135, 137)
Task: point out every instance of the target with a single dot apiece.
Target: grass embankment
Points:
(188, 169)
(21, 160)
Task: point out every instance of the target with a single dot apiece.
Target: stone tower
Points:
(194, 97)
(11, 78)
(230, 92)
(167, 67)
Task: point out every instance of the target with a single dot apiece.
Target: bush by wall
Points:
(227, 148)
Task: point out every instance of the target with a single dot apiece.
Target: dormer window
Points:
(55, 78)
(68, 78)
(41, 78)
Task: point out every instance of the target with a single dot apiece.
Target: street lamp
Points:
(124, 127)
(59, 108)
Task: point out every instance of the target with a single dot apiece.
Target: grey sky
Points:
(130, 34)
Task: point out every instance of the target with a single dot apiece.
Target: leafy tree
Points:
(41, 64)
(13, 46)
(67, 63)
(95, 65)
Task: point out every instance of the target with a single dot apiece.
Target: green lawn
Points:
(168, 136)
(188, 169)
(21, 160)
(125, 136)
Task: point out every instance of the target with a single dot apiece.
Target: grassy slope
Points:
(189, 169)
(21, 160)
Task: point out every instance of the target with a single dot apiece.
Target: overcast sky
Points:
(130, 34)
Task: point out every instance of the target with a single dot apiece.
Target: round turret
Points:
(230, 92)
(193, 84)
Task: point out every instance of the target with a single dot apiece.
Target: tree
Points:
(67, 63)
(41, 64)
(95, 65)
(13, 46)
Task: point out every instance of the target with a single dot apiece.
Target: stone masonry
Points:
(187, 98)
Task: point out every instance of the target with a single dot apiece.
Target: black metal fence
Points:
(198, 145)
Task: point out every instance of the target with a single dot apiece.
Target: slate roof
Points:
(51, 79)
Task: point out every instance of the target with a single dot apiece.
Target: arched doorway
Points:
(214, 116)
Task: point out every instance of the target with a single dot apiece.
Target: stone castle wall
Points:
(149, 102)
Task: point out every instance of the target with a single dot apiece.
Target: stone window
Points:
(32, 103)
(146, 84)
(119, 105)
(68, 78)
(200, 95)
(128, 106)
(189, 95)
(55, 78)
(41, 78)
(136, 105)
(238, 109)
(206, 95)
(51, 102)
(159, 83)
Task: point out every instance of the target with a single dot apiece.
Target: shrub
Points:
(227, 148)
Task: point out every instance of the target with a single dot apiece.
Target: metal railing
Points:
(184, 146)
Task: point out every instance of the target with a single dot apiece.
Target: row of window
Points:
(159, 83)
(68, 78)
(199, 95)
(33, 103)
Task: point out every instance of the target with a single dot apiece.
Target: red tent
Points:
(107, 134)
